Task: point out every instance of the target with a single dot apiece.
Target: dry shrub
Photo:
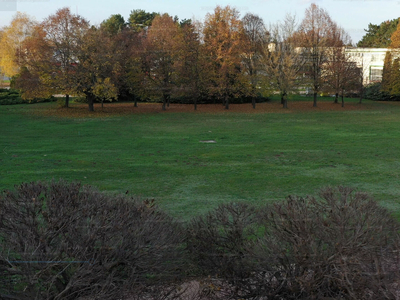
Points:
(65, 241)
(221, 241)
(340, 245)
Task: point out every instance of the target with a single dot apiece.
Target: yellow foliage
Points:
(12, 38)
(105, 90)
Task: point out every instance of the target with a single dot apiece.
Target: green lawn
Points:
(256, 157)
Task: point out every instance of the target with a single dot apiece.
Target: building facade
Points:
(370, 60)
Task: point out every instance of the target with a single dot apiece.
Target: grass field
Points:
(256, 157)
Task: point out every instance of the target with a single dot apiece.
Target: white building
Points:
(370, 60)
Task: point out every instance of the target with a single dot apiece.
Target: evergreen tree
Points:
(395, 78)
(387, 73)
(379, 36)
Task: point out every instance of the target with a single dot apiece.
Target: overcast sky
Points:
(353, 15)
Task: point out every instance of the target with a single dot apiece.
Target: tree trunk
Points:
(226, 102)
(135, 100)
(168, 100)
(284, 99)
(285, 103)
(164, 101)
(254, 102)
(342, 99)
(315, 100)
(66, 100)
(336, 98)
(90, 100)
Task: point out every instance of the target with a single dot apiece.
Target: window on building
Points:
(375, 74)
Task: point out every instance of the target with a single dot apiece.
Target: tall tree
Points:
(12, 38)
(191, 64)
(64, 32)
(140, 19)
(317, 34)
(97, 71)
(162, 50)
(395, 78)
(390, 73)
(257, 40)
(339, 70)
(282, 61)
(379, 36)
(387, 73)
(224, 43)
(131, 58)
(114, 24)
(35, 58)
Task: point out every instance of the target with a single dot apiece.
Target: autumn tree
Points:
(317, 35)
(114, 24)
(131, 56)
(97, 71)
(281, 60)
(162, 51)
(340, 72)
(191, 66)
(12, 38)
(224, 43)
(257, 38)
(35, 58)
(64, 33)
(139, 19)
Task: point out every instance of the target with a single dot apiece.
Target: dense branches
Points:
(257, 38)
(65, 241)
(317, 35)
(282, 61)
(224, 42)
(163, 47)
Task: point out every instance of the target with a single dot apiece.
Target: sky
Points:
(353, 15)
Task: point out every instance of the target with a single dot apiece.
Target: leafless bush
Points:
(342, 245)
(221, 243)
(65, 241)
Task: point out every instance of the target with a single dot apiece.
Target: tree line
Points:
(158, 57)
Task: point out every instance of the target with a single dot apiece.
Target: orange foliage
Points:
(395, 38)
(224, 42)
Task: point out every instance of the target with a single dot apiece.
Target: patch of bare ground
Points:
(112, 109)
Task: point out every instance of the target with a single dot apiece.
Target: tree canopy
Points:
(139, 19)
(379, 36)
(114, 24)
(12, 38)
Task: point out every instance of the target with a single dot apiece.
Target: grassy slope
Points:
(257, 157)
